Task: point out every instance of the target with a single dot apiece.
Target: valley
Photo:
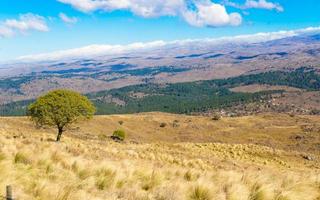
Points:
(203, 96)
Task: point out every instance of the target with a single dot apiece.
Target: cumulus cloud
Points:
(27, 22)
(69, 20)
(195, 12)
(211, 14)
(144, 8)
(258, 4)
(99, 50)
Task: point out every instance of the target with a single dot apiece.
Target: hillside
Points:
(290, 91)
(263, 157)
(176, 63)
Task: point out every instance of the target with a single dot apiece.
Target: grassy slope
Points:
(164, 163)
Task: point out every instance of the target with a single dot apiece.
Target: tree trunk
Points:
(60, 131)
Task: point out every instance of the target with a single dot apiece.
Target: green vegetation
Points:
(59, 109)
(173, 98)
(202, 95)
(15, 108)
(14, 82)
(304, 78)
(119, 135)
(152, 71)
(189, 97)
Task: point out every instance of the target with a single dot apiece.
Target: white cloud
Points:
(258, 4)
(5, 32)
(69, 20)
(99, 50)
(263, 4)
(211, 14)
(27, 22)
(93, 50)
(201, 13)
(144, 8)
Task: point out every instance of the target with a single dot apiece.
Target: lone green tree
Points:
(60, 108)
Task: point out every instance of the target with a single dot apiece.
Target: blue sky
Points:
(40, 26)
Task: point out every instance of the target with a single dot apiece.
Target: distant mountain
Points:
(170, 63)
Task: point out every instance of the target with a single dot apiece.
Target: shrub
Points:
(119, 135)
(315, 112)
(162, 125)
(175, 123)
(216, 117)
(120, 122)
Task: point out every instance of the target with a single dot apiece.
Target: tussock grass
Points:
(100, 169)
(2, 156)
(104, 178)
(200, 193)
(22, 158)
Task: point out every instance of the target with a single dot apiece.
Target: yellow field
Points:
(192, 158)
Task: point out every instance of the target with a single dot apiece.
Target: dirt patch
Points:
(259, 88)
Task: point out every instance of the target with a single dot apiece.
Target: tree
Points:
(60, 108)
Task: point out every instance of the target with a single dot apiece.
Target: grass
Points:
(21, 158)
(200, 193)
(84, 166)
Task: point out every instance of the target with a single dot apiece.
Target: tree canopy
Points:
(60, 108)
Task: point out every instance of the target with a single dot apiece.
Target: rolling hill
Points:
(283, 89)
(173, 63)
(258, 157)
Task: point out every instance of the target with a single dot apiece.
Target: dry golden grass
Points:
(164, 163)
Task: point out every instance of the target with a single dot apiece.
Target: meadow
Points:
(164, 157)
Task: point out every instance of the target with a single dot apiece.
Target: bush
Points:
(121, 122)
(119, 135)
(315, 112)
(175, 123)
(162, 125)
(216, 117)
